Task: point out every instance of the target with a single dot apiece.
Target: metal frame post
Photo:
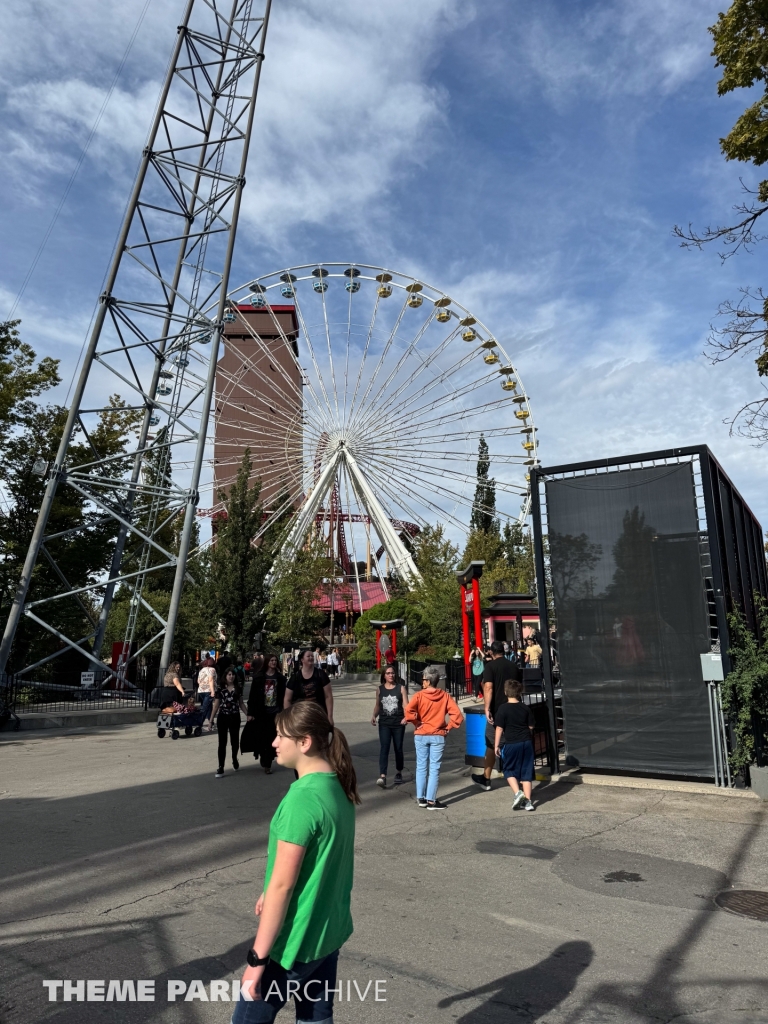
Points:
(184, 197)
(541, 594)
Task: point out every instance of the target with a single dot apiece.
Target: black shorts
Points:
(490, 735)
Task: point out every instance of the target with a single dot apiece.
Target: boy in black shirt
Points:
(514, 744)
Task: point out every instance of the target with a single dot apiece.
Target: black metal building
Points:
(639, 560)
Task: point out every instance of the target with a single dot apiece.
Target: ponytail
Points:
(340, 758)
(307, 719)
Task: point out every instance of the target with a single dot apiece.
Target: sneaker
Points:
(382, 781)
(482, 782)
(437, 806)
(399, 779)
(235, 764)
(529, 806)
(421, 802)
(519, 800)
(219, 773)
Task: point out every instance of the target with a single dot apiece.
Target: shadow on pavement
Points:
(529, 994)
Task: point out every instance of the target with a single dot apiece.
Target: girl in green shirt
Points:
(304, 911)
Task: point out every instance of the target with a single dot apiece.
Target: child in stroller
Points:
(180, 716)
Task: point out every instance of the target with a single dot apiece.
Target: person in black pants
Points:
(265, 701)
(227, 705)
(389, 710)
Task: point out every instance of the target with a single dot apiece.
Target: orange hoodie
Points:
(427, 710)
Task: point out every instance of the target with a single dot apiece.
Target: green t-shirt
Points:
(317, 814)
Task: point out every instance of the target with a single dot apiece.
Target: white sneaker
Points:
(519, 799)
(529, 806)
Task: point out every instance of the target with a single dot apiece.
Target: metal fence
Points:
(33, 696)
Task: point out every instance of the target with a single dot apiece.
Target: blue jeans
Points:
(393, 734)
(206, 704)
(429, 751)
(312, 986)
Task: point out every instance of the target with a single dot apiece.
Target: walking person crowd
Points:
(434, 713)
(227, 705)
(389, 715)
(265, 702)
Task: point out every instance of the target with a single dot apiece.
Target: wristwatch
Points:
(256, 961)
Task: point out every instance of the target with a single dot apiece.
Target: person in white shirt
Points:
(206, 687)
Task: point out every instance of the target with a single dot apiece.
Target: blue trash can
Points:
(474, 722)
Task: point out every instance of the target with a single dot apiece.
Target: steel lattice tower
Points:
(164, 304)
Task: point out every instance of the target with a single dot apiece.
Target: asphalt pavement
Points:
(123, 858)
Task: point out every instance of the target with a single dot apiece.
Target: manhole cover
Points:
(747, 902)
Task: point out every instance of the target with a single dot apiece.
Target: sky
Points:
(528, 157)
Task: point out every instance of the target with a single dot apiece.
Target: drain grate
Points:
(746, 902)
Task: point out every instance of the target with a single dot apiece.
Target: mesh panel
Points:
(631, 615)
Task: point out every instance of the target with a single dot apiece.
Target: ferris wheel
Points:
(362, 394)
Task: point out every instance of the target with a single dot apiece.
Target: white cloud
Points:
(610, 49)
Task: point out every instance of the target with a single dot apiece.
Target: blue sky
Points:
(529, 158)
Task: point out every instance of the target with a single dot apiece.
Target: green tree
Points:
(483, 516)
(292, 612)
(21, 379)
(745, 690)
(437, 597)
(239, 565)
(508, 558)
(83, 539)
(741, 50)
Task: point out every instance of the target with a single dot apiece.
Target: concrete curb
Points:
(80, 720)
(578, 778)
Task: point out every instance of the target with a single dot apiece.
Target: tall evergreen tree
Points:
(238, 564)
(484, 506)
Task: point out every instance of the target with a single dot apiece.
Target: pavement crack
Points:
(178, 885)
(612, 828)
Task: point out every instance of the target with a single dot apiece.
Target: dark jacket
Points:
(256, 695)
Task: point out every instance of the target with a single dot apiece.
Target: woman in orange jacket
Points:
(428, 710)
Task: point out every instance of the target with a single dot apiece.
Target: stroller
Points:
(190, 721)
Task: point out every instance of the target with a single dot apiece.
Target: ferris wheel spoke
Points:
(296, 388)
(426, 362)
(449, 456)
(330, 351)
(381, 393)
(407, 411)
(313, 357)
(468, 435)
(426, 502)
(369, 335)
(248, 368)
(384, 353)
(269, 418)
(307, 383)
(450, 417)
(286, 506)
(417, 477)
(442, 472)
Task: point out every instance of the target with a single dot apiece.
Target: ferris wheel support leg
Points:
(397, 551)
(306, 517)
